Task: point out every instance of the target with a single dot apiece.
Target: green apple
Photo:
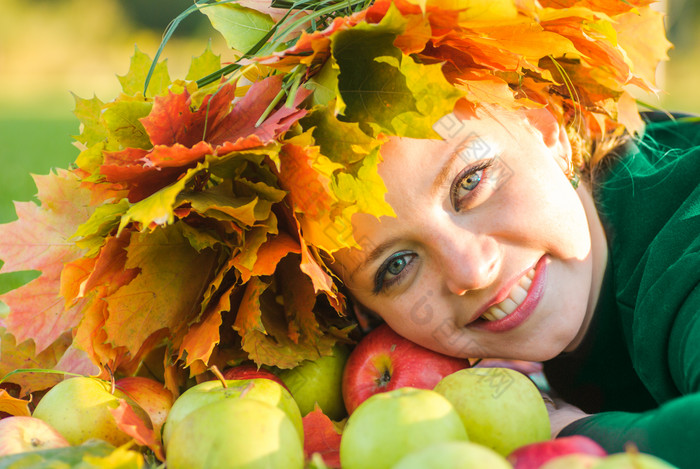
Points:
(319, 381)
(633, 460)
(207, 392)
(451, 454)
(501, 408)
(79, 409)
(235, 433)
(389, 425)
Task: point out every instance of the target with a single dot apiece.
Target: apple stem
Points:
(214, 369)
(384, 379)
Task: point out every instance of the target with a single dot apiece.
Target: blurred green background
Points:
(52, 48)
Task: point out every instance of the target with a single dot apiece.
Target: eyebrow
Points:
(445, 170)
(374, 254)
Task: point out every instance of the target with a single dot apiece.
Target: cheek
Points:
(424, 321)
(542, 211)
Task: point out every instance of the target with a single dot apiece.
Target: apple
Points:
(250, 371)
(383, 361)
(20, 434)
(151, 395)
(236, 433)
(319, 381)
(633, 460)
(573, 461)
(389, 425)
(534, 455)
(79, 409)
(451, 454)
(501, 408)
(206, 392)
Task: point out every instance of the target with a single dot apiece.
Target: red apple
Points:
(383, 361)
(535, 455)
(150, 395)
(22, 434)
(250, 371)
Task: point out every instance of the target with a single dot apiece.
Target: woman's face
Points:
(492, 252)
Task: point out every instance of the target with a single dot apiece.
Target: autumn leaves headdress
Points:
(194, 225)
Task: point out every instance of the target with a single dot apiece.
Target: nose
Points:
(469, 262)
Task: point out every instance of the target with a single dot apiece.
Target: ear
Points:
(553, 134)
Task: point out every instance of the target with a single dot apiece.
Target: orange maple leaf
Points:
(131, 424)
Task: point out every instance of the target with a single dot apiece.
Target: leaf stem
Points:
(38, 370)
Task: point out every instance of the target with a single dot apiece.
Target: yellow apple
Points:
(387, 426)
(79, 409)
(262, 389)
(451, 454)
(502, 409)
(235, 433)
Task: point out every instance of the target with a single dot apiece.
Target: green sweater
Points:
(638, 368)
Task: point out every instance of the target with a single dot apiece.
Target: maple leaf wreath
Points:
(196, 221)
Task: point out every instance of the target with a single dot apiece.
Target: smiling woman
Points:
(489, 250)
(474, 173)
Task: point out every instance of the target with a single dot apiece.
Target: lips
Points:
(515, 305)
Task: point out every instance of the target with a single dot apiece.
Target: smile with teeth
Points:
(515, 297)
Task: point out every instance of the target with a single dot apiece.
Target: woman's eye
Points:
(392, 270)
(396, 265)
(468, 183)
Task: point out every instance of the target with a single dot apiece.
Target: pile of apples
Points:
(386, 403)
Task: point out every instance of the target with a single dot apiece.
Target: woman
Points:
(473, 173)
(599, 283)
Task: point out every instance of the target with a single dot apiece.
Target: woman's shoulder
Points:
(652, 175)
(650, 205)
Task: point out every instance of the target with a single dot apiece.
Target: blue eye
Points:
(470, 182)
(394, 267)
(467, 184)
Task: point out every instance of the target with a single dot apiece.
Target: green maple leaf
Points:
(366, 190)
(103, 220)
(372, 91)
(121, 119)
(434, 96)
(88, 112)
(342, 142)
(324, 83)
(240, 26)
(204, 65)
(157, 209)
(133, 82)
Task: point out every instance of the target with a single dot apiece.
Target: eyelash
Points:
(454, 190)
(380, 284)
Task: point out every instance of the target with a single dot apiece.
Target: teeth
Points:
(494, 313)
(508, 305)
(519, 293)
(488, 315)
(516, 296)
